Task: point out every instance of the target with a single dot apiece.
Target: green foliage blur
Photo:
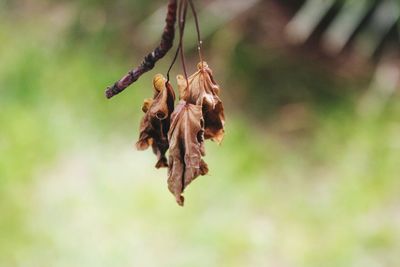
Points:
(302, 179)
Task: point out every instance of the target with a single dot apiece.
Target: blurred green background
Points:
(308, 173)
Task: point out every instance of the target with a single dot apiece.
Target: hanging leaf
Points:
(155, 124)
(186, 138)
(204, 91)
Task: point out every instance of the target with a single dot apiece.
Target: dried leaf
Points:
(186, 148)
(155, 124)
(204, 91)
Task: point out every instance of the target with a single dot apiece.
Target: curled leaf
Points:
(155, 123)
(186, 148)
(204, 91)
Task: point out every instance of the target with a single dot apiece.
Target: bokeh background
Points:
(308, 173)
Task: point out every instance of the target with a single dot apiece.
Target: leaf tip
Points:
(180, 200)
(159, 82)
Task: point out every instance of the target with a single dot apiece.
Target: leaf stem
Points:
(182, 11)
(199, 41)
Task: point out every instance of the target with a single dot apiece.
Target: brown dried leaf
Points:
(204, 91)
(186, 148)
(155, 124)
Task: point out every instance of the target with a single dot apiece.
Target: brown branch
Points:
(150, 60)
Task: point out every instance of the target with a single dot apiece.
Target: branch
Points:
(150, 60)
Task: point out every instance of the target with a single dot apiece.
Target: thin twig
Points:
(182, 20)
(150, 60)
(199, 41)
(173, 62)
